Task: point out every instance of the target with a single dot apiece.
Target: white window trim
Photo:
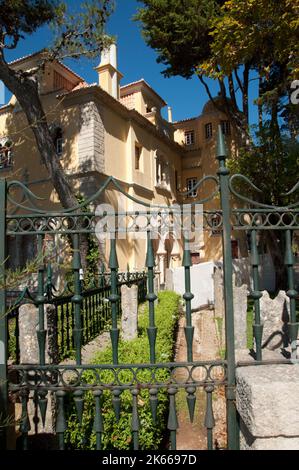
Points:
(189, 137)
(208, 134)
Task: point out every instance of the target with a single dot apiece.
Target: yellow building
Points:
(105, 129)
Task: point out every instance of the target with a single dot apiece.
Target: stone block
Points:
(28, 326)
(240, 316)
(129, 306)
(169, 279)
(275, 317)
(267, 400)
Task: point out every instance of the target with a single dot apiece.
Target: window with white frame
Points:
(225, 126)
(209, 130)
(189, 137)
(191, 183)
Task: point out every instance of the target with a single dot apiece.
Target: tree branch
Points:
(211, 98)
(232, 91)
(238, 81)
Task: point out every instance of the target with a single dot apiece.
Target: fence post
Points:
(223, 173)
(3, 320)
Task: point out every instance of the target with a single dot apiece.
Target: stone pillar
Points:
(240, 316)
(267, 400)
(169, 279)
(129, 307)
(162, 258)
(29, 354)
(240, 308)
(218, 292)
(28, 325)
(275, 317)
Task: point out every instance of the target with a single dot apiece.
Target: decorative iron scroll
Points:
(243, 178)
(26, 194)
(109, 377)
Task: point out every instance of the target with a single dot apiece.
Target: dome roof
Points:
(209, 106)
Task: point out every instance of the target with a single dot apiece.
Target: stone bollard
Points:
(240, 316)
(29, 354)
(267, 400)
(240, 309)
(275, 317)
(169, 279)
(28, 325)
(218, 292)
(129, 307)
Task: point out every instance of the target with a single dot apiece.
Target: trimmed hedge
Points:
(119, 435)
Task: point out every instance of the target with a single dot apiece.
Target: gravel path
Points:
(192, 436)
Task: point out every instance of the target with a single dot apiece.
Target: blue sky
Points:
(135, 61)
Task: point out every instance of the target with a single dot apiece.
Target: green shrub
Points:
(119, 435)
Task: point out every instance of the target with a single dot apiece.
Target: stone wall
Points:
(91, 149)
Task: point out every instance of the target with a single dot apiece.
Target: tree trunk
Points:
(26, 92)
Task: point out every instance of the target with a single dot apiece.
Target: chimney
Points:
(109, 76)
(169, 114)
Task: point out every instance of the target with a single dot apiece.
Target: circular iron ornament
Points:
(217, 372)
(144, 375)
(125, 380)
(181, 374)
(199, 373)
(110, 379)
(70, 377)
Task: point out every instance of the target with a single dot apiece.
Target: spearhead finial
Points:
(221, 150)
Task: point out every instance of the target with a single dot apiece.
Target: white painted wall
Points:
(202, 284)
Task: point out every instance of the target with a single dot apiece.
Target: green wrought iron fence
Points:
(43, 378)
(95, 312)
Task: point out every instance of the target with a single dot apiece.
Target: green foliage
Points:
(179, 31)
(93, 253)
(262, 32)
(272, 164)
(234, 42)
(75, 31)
(118, 435)
(23, 16)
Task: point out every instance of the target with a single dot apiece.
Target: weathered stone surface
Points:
(29, 354)
(273, 443)
(275, 316)
(268, 401)
(240, 316)
(28, 325)
(91, 142)
(169, 279)
(218, 291)
(129, 306)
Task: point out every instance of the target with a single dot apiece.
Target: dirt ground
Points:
(193, 436)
